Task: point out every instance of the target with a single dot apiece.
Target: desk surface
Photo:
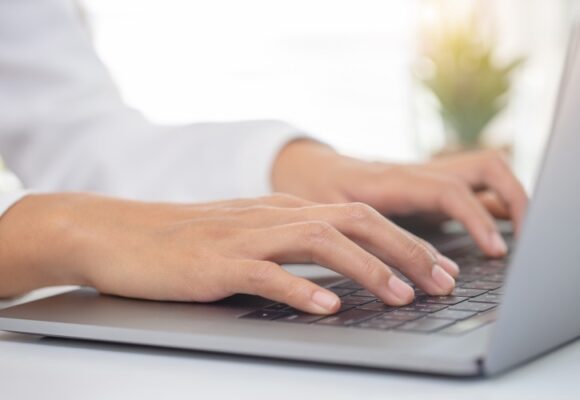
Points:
(34, 367)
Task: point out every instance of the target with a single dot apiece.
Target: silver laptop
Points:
(502, 313)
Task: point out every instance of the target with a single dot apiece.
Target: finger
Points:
(498, 177)
(490, 170)
(384, 239)
(437, 192)
(459, 202)
(452, 196)
(319, 242)
(269, 280)
(446, 263)
(393, 245)
(493, 204)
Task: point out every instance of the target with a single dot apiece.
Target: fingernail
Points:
(498, 243)
(325, 300)
(442, 278)
(400, 289)
(448, 265)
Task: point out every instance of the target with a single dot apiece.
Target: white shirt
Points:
(64, 126)
(10, 188)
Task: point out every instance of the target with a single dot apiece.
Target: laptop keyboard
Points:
(471, 305)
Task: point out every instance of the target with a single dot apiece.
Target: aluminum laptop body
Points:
(538, 311)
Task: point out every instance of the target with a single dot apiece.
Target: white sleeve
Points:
(7, 200)
(64, 126)
(10, 189)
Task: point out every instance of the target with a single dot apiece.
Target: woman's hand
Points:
(207, 252)
(472, 187)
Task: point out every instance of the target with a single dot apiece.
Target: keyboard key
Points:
(425, 325)
(356, 300)
(424, 307)
(464, 278)
(487, 298)
(348, 317)
(301, 318)
(498, 277)
(377, 306)
(484, 285)
(345, 307)
(474, 270)
(401, 315)
(342, 308)
(277, 307)
(379, 324)
(349, 284)
(461, 291)
(265, 315)
(471, 306)
(470, 324)
(453, 314)
(364, 293)
(341, 291)
(498, 264)
(450, 300)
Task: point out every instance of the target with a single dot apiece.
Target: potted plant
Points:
(470, 85)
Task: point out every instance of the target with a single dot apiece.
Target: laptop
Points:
(502, 313)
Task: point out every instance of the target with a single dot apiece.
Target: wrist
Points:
(316, 172)
(37, 244)
(293, 170)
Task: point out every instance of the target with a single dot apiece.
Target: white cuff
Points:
(257, 154)
(7, 200)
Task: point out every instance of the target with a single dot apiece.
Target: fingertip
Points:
(444, 281)
(403, 293)
(325, 302)
(497, 244)
(448, 265)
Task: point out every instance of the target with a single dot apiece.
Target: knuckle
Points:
(370, 268)
(451, 189)
(495, 160)
(358, 211)
(495, 156)
(417, 253)
(458, 190)
(316, 232)
(455, 186)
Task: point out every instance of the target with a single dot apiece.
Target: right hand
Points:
(206, 252)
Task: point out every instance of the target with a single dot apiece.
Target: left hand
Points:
(473, 188)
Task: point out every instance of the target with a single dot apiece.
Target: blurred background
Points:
(401, 80)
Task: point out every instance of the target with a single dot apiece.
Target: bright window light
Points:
(337, 68)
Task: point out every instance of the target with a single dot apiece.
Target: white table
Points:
(41, 368)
